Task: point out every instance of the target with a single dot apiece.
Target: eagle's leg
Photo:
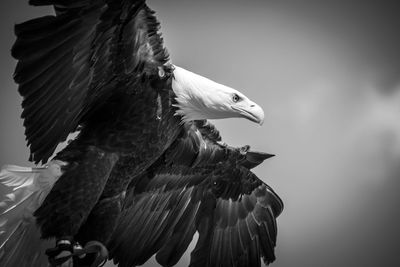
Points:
(75, 193)
(99, 227)
(102, 220)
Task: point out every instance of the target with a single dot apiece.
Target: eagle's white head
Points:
(200, 98)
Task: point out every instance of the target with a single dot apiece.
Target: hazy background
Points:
(327, 75)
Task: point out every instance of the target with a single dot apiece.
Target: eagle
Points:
(146, 170)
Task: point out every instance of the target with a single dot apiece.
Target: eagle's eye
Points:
(235, 98)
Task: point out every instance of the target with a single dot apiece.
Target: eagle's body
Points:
(124, 142)
(146, 170)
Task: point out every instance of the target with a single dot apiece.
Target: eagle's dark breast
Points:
(118, 142)
(138, 125)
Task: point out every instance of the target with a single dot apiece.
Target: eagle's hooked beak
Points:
(252, 112)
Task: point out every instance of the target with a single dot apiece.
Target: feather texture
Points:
(69, 64)
(20, 243)
(199, 185)
(136, 179)
(216, 195)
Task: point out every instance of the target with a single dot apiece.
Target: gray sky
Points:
(327, 75)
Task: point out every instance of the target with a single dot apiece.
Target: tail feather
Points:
(20, 243)
(15, 177)
(24, 247)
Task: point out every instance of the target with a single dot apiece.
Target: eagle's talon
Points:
(78, 250)
(59, 257)
(101, 251)
(94, 254)
(64, 259)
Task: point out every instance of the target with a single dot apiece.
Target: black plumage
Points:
(218, 196)
(110, 54)
(137, 178)
(70, 64)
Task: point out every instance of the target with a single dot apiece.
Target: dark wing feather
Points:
(160, 219)
(199, 185)
(68, 64)
(239, 232)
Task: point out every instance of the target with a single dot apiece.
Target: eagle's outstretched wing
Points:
(70, 63)
(199, 185)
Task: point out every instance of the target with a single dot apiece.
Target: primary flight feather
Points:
(146, 170)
